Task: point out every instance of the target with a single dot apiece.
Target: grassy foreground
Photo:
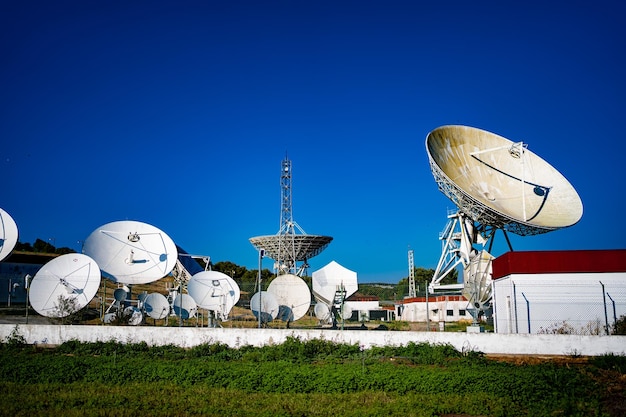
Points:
(298, 378)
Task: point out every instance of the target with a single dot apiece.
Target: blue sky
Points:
(178, 114)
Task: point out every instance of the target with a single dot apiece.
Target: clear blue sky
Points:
(178, 114)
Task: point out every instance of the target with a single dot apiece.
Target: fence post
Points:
(527, 311)
(606, 316)
(515, 308)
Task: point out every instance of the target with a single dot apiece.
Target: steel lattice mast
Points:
(291, 244)
(286, 232)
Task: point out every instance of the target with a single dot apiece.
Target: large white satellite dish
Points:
(331, 279)
(8, 234)
(268, 307)
(500, 183)
(64, 285)
(131, 252)
(156, 306)
(214, 291)
(292, 294)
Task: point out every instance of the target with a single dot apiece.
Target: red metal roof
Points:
(553, 262)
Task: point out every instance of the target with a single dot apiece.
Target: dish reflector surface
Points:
(184, 306)
(8, 234)
(500, 183)
(269, 306)
(64, 285)
(291, 292)
(131, 252)
(332, 278)
(214, 291)
(156, 306)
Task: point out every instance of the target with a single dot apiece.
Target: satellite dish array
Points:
(126, 253)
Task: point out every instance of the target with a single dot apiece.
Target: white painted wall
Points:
(193, 336)
(416, 311)
(545, 302)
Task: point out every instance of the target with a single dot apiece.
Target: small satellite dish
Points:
(292, 292)
(345, 311)
(133, 315)
(184, 306)
(64, 285)
(499, 183)
(120, 295)
(131, 252)
(322, 312)
(156, 306)
(269, 306)
(8, 234)
(214, 291)
(332, 278)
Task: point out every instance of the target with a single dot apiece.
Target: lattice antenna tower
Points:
(412, 292)
(287, 231)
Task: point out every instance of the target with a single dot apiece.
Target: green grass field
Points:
(299, 378)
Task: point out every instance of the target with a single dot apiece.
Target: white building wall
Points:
(416, 311)
(564, 302)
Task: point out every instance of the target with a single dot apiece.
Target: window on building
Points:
(449, 313)
(461, 312)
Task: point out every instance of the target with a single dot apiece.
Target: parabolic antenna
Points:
(156, 306)
(269, 306)
(8, 234)
(331, 279)
(500, 183)
(292, 294)
(184, 306)
(133, 315)
(120, 294)
(214, 291)
(64, 285)
(322, 312)
(303, 246)
(477, 280)
(131, 252)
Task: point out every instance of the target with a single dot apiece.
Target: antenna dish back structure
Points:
(214, 291)
(293, 296)
(8, 234)
(291, 245)
(131, 252)
(64, 285)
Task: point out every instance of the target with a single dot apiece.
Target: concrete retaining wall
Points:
(489, 343)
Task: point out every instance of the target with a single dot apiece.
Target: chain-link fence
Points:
(576, 306)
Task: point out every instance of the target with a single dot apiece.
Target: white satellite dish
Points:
(500, 183)
(214, 291)
(322, 312)
(156, 306)
(64, 285)
(120, 294)
(345, 311)
(8, 234)
(293, 296)
(268, 308)
(331, 279)
(133, 315)
(131, 252)
(184, 306)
